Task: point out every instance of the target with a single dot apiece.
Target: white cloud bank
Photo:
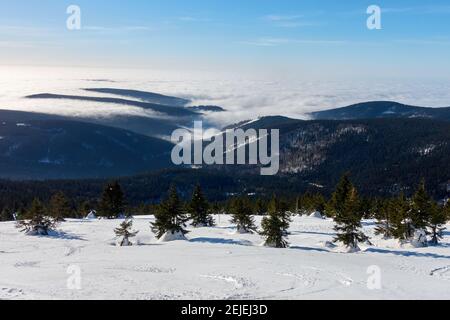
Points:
(244, 97)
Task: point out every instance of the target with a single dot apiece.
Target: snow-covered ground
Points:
(215, 263)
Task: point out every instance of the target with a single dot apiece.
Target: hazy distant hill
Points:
(381, 109)
(162, 109)
(144, 96)
(170, 112)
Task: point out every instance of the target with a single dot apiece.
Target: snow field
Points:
(81, 261)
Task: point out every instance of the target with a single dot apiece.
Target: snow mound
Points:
(316, 214)
(420, 239)
(346, 249)
(329, 245)
(123, 243)
(241, 230)
(172, 236)
(91, 216)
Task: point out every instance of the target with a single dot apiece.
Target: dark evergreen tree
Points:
(437, 222)
(37, 222)
(241, 214)
(282, 207)
(6, 214)
(275, 225)
(345, 207)
(84, 209)
(447, 210)
(112, 203)
(421, 208)
(125, 231)
(199, 209)
(260, 207)
(60, 207)
(216, 208)
(385, 211)
(400, 213)
(170, 216)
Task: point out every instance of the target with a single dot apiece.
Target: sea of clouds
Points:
(244, 97)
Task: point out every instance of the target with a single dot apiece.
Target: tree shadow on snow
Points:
(222, 241)
(308, 249)
(63, 236)
(408, 253)
(312, 232)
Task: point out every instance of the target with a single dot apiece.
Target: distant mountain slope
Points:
(163, 109)
(381, 109)
(384, 155)
(144, 96)
(36, 146)
(207, 108)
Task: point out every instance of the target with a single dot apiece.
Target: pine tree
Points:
(281, 207)
(199, 209)
(125, 231)
(275, 226)
(421, 208)
(241, 214)
(385, 211)
(260, 207)
(447, 211)
(437, 221)
(36, 223)
(84, 209)
(346, 210)
(6, 214)
(112, 202)
(60, 207)
(400, 212)
(170, 216)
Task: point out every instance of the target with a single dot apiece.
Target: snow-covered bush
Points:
(124, 231)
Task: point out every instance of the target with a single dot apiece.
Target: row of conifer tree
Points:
(400, 217)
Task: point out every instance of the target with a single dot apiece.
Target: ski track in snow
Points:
(443, 272)
(10, 293)
(214, 264)
(237, 282)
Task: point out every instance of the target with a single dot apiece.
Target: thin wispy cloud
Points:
(116, 29)
(290, 21)
(275, 17)
(275, 42)
(16, 44)
(424, 42)
(193, 19)
(26, 31)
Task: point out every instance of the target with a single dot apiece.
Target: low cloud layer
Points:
(244, 98)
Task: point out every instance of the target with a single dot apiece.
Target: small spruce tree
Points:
(170, 216)
(6, 214)
(60, 207)
(447, 211)
(275, 225)
(437, 221)
(385, 211)
(112, 201)
(421, 208)
(241, 214)
(199, 209)
(125, 231)
(400, 211)
(260, 207)
(36, 223)
(346, 210)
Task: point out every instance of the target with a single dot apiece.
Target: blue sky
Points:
(321, 36)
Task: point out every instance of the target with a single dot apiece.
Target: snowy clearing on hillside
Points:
(215, 263)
